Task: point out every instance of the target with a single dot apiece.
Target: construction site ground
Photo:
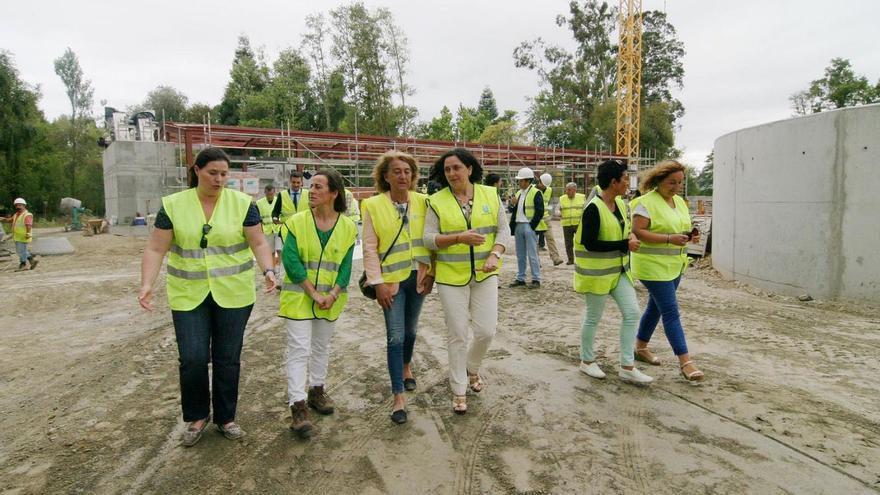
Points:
(89, 396)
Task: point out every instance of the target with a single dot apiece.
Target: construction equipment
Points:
(629, 84)
(74, 206)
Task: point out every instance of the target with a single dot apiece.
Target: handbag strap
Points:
(395, 237)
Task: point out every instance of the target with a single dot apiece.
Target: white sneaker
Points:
(592, 369)
(634, 376)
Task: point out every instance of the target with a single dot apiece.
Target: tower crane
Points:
(629, 84)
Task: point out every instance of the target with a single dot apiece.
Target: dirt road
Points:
(89, 398)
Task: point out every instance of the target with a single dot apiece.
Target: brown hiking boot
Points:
(319, 400)
(299, 419)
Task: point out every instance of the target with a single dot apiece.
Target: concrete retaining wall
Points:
(136, 176)
(795, 205)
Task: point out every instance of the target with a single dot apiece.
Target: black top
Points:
(163, 221)
(590, 232)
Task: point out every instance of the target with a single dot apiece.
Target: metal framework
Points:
(354, 156)
(629, 79)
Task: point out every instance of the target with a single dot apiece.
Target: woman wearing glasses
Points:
(467, 227)
(211, 233)
(318, 249)
(397, 264)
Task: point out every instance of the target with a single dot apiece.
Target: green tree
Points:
(197, 112)
(79, 92)
(440, 127)
(487, 105)
(662, 62)
(20, 127)
(469, 124)
(291, 93)
(503, 132)
(249, 75)
(839, 87)
(314, 43)
(166, 102)
(396, 46)
(706, 178)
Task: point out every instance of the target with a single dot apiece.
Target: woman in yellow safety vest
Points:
(212, 234)
(467, 227)
(317, 254)
(603, 243)
(662, 222)
(397, 264)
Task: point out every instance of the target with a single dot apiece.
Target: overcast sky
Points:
(744, 58)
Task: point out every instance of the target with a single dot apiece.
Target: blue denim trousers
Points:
(210, 334)
(527, 249)
(662, 303)
(23, 254)
(401, 323)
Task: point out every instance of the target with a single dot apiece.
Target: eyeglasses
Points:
(204, 242)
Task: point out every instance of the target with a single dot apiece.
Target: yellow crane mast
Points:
(629, 82)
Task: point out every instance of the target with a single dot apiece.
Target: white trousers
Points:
(308, 352)
(474, 306)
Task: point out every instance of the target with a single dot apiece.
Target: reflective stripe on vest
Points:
(458, 264)
(266, 209)
(662, 261)
(322, 265)
(287, 206)
(19, 228)
(598, 272)
(572, 209)
(225, 267)
(385, 219)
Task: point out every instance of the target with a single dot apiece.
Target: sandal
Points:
(646, 356)
(459, 404)
(693, 376)
(475, 382)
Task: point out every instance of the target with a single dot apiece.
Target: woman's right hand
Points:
(634, 243)
(145, 297)
(471, 238)
(678, 239)
(385, 295)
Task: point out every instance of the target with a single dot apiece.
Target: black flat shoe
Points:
(409, 384)
(399, 416)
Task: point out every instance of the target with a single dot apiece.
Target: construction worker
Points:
(266, 205)
(397, 264)
(527, 210)
(571, 206)
(213, 234)
(602, 245)
(465, 225)
(545, 228)
(662, 222)
(292, 200)
(353, 211)
(22, 234)
(317, 257)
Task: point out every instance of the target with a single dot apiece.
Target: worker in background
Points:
(292, 200)
(138, 219)
(266, 205)
(571, 206)
(213, 234)
(527, 210)
(353, 211)
(545, 228)
(603, 244)
(317, 256)
(22, 233)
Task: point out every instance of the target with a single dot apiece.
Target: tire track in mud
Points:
(630, 431)
(466, 473)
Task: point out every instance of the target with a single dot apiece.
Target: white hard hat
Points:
(546, 179)
(19, 201)
(525, 173)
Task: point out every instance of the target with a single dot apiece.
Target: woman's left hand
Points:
(426, 285)
(491, 264)
(271, 282)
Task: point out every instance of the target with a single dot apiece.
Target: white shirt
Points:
(521, 206)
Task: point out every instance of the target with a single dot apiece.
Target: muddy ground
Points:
(89, 397)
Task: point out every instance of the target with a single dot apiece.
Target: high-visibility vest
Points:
(351, 207)
(572, 209)
(386, 223)
(662, 261)
(322, 266)
(19, 229)
(529, 206)
(597, 272)
(458, 264)
(266, 208)
(225, 268)
(287, 206)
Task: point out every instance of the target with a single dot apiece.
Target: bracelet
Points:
(267, 270)
(497, 254)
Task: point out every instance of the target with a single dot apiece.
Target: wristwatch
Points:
(267, 270)
(497, 254)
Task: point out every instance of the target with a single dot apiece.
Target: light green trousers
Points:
(625, 296)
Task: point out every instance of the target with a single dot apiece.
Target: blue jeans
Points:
(23, 254)
(662, 302)
(210, 334)
(401, 322)
(526, 247)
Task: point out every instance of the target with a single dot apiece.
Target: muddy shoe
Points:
(21, 267)
(34, 263)
(319, 400)
(231, 431)
(193, 433)
(299, 419)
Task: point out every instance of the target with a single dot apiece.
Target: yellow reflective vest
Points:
(19, 229)
(409, 246)
(287, 206)
(352, 210)
(458, 264)
(598, 272)
(662, 261)
(322, 266)
(529, 206)
(572, 209)
(225, 267)
(266, 208)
